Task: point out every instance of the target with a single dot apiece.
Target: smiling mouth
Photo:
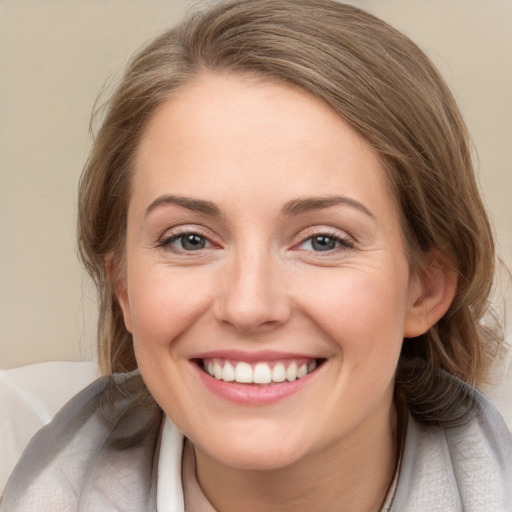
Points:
(261, 373)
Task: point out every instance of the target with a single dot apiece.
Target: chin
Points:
(253, 448)
(256, 458)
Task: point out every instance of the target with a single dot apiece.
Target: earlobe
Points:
(119, 288)
(432, 292)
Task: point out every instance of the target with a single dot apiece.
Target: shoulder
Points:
(463, 467)
(100, 447)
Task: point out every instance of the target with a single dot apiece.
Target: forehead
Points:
(235, 135)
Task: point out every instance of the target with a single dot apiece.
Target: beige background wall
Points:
(54, 57)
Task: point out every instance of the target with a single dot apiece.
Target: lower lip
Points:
(253, 394)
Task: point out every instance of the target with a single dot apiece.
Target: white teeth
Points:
(228, 374)
(302, 371)
(291, 372)
(279, 373)
(262, 374)
(243, 373)
(217, 370)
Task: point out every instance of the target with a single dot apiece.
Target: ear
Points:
(117, 279)
(431, 294)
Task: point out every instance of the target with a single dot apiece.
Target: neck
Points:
(352, 474)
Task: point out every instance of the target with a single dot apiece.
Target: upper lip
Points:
(263, 355)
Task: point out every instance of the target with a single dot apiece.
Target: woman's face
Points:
(264, 248)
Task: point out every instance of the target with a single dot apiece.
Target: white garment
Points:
(169, 490)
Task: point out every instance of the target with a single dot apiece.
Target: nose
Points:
(253, 297)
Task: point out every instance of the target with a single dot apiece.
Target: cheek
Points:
(163, 305)
(362, 312)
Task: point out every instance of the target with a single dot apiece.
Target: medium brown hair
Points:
(378, 81)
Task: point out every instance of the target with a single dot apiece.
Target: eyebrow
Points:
(196, 205)
(290, 209)
(307, 204)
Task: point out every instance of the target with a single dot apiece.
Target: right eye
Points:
(185, 242)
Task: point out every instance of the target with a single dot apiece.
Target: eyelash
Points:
(165, 243)
(344, 243)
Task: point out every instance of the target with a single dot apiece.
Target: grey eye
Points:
(323, 243)
(192, 242)
(185, 242)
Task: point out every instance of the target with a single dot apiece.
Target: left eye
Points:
(187, 242)
(322, 243)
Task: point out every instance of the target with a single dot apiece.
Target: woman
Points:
(281, 217)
